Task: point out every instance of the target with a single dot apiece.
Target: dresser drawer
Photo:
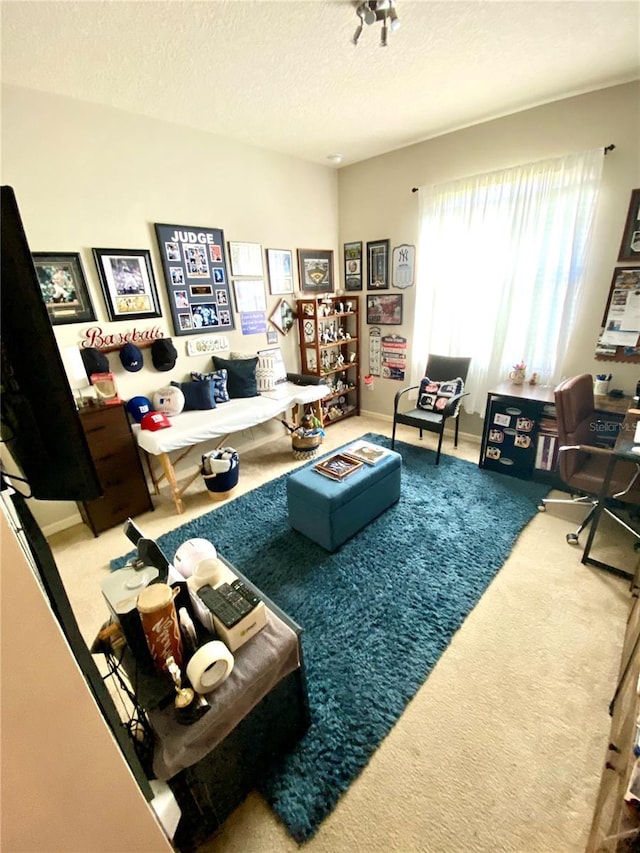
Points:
(106, 426)
(118, 503)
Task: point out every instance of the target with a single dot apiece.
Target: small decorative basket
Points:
(220, 471)
(305, 446)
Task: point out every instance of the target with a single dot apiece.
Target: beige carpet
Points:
(502, 747)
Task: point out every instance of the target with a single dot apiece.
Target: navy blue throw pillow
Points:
(241, 375)
(197, 395)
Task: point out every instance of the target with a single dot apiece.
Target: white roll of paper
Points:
(210, 666)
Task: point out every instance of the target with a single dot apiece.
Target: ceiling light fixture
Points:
(335, 158)
(371, 11)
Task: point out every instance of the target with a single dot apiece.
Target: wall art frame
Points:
(64, 287)
(378, 265)
(353, 265)
(403, 260)
(196, 278)
(384, 309)
(283, 317)
(280, 270)
(315, 268)
(250, 295)
(128, 283)
(245, 258)
(630, 245)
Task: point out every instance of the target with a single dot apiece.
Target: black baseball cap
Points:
(163, 354)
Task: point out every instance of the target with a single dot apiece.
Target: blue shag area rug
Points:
(377, 614)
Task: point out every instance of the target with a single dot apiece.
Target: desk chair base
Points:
(582, 500)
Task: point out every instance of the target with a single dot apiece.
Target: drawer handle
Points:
(95, 429)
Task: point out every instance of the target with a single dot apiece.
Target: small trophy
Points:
(187, 707)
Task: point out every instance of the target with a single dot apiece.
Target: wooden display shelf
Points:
(318, 356)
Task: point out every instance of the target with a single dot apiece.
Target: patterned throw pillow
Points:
(434, 396)
(219, 379)
(266, 373)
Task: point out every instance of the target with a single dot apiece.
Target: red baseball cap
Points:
(154, 421)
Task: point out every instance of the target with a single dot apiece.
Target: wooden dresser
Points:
(115, 455)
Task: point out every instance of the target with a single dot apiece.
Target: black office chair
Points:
(581, 464)
(435, 405)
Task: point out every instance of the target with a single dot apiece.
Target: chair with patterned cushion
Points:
(439, 396)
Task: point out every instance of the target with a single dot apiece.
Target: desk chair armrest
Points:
(586, 448)
(399, 394)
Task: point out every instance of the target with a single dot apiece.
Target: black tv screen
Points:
(40, 424)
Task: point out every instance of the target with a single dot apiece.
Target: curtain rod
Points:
(607, 148)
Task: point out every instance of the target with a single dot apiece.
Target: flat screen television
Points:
(39, 420)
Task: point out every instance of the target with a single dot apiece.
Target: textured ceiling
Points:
(287, 77)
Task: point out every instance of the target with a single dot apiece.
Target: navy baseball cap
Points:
(131, 358)
(94, 361)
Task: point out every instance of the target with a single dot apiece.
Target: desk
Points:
(621, 452)
(519, 435)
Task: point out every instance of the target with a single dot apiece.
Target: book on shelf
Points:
(366, 452)
(546, 451)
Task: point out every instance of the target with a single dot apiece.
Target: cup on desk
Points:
(601, 387)
(160, 624)
(208, 571)
(517, 375)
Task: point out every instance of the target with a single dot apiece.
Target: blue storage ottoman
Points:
(331, 511)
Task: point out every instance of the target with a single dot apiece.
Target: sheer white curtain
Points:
(501, 267)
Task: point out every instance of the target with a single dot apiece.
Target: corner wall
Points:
(376, 202)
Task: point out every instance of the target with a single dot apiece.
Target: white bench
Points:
(191, 428)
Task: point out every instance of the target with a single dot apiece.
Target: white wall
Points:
(376, 202)
(88, 176)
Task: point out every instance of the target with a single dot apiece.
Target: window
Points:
(502, 261)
